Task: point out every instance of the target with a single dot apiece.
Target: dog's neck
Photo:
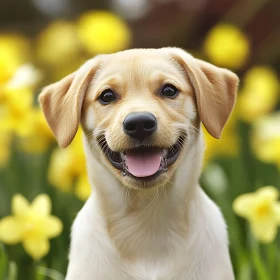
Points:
(130, 213)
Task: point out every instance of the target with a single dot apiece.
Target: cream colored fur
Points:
(171, 230)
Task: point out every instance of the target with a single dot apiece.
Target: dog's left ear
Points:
(215, 90)
(62, 102)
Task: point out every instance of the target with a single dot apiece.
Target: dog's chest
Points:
(151, 271)
(173, 269)
(144, 249)
(161, 254)
(150, 249)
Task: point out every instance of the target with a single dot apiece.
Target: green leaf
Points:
(51, 274)
(12, 272)
(3, 262)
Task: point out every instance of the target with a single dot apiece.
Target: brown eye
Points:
(106, 97)
(169, 91)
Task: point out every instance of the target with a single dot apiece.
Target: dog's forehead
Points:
(138, 54)
(140, 61)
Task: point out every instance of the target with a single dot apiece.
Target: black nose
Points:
(140, 125)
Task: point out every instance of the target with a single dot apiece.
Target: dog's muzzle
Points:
(140, 125)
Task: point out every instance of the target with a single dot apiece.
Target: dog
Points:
(141, 112)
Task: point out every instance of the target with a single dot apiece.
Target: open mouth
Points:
(143, 162)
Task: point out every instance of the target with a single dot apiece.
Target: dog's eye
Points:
(169, 91)
(106, 97)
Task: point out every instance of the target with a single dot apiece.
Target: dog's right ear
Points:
(62, 102)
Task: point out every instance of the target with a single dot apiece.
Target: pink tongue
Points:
(143, 164)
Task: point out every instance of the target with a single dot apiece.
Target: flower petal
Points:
(20, 205)
(242, 205)
(53, 227)
(82, 189)
(276, 208)
(10, 230)
(265, 232)
(269, 193)
(36, 247)
(42, 205)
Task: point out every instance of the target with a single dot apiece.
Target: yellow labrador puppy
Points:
(147, 217)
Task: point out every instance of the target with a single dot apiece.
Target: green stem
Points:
(258, 261)
(3, 262)
(271, 258)
(13, 271)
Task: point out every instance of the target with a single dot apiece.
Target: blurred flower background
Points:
(42, 41)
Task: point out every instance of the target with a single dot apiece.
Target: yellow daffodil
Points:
(18, 116)
(262, 210)
(260, 93)
(266, 138)
(26, 76)
(14, 51)
(58, 43)
(32, 224)
(15, 110)
(103, 32)
(228, 145)
(227, 46)
(39, 136)
(82, 189)
(70, 165)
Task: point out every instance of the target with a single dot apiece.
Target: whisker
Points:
(88, 135)
(140, 195)
(150, 202)
(194, 132)
(195, 128)
(130, 202)
(134, 198)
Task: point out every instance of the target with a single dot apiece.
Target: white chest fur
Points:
(150, 249)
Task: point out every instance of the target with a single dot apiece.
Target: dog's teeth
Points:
(125, 168)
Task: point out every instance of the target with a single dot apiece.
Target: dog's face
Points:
(140, 110)
(137, 112)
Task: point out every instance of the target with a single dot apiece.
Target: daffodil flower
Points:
(260, 93)
(227, 46)
(70, 163)
(39, 137)
(15, 110)
(57, 41)
(266, 138)
(26, 76)
(262, 210)
(83, 190)
(32, 224)
(14, 51)
(227, 146)
(111, 33)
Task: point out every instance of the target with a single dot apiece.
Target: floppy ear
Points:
(62, 102)
(215, 90)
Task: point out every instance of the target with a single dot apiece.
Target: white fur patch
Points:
(190, 108)
(90, 119)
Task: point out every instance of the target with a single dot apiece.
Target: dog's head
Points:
(140, 109)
